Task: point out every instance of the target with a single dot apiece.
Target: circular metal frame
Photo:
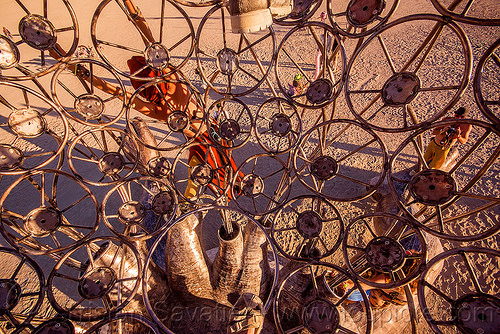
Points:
(103, 156)
(198, 3)
(483, 101)
(157, 51)
(383, 251)
(16, 287)
(213, 173)
(315, 222)
(277, 119)
(325, 161)
(357, 15)
(324, 84)
(99, 274)
(229, 123)
(87, 101)
(39, 33)
(255, 188)
(179, 108)
(430, 197)
(402, 85)
(463, 17)
(130, 206)
(474, 310)
(28, 123)
(51, 220)
(308, 287)
(237, 55)
(122, 319)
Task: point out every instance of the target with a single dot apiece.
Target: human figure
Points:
(444, 139)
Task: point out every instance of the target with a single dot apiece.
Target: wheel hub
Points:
(10, 294)
(432, 187)
(319, 91)
(37, 32)
(227, 61)
(163, 203)
(309, 224)
(252, 185)
(97, 283)
(363, 12)
(400, 89)
(89, 106)
(131, 212)
(42, 221)
(177, 121)
(156, 56)
(280, 125)
(202, 174)
(9, 54)
(111, 163)
(229, 129)
(320, 316)
(324, 168)
(55, 326)
(26, 123)
(10, 157)
(159, 167)
(385, 254)
(477, 314)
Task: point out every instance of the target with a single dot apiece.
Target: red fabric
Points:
(151, 93)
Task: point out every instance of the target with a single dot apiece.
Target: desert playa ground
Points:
(355, 114)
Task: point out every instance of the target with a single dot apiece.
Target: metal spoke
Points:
(16, 271)
(386, 53)
(115, 45)
(472, 273)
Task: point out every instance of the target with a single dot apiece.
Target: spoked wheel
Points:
(247, 270)
(125, 323)
(29, 139)
(487, 73)
(201, 169)
(361, 17)
(80, 89)
(139, 208)
(411, 75)
(238, 63)
(397, 253)
(58, 212)
(261, 185)
(56, 325)
(302, 10)
(175, 113)
(304, 302)
(471, 307)
(98, 279)
(21, 297)
(332, 160)
(457, 202)
(103, 156)
(44, 31)
(470, 12)
(303, 52)
(314, 225)
(152, 40)
(229, 123)
(277, 126)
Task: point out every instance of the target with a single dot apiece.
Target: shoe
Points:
(145, 153)
(247, 313)
(280, 7)
(249, 15)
